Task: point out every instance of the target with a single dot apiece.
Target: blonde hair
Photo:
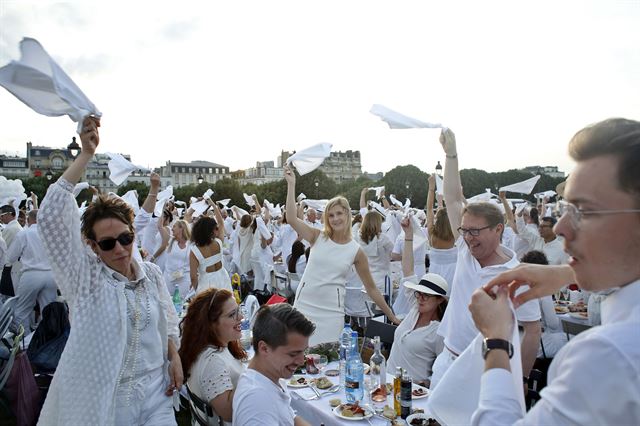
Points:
(335, 201)
(371, 226)
(186, 233)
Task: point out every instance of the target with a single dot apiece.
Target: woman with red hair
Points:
(211, 352)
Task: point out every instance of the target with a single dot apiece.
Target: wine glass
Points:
(321, 361)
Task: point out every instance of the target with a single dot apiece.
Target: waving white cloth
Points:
(379, 208)
(309, 159)
(461, 383)
(439, 185)
(131, 198)
(319, 205)
(394, 200)
(301, 197)
(79, 187)
(11, 191)
(249, 200)
(395, 120)
(485, 196)
(38, 81)
(274, 211)
(419, 237)
(162, 198)
(544, 194)
(262, 228)
(521, 207)
(524, 187)
(225, 202)
(120, 168)
(198, 207)
(241, 211)
(378, 190)
(207, 194)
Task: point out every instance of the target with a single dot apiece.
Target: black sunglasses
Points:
(124, 239)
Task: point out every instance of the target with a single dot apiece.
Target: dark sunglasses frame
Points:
(125, 239)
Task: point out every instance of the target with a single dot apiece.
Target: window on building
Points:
(57, 163)
(37, 152)
(217, 170)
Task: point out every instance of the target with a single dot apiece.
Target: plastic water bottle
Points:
(345, 344)
(245, 327)
(177, 300)
(354, 378)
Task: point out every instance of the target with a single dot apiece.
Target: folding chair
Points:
(572, 328)
(377, 328)
(281, 284)
(204, 407)
(6, 314)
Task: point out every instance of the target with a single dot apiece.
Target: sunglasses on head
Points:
(124, 239)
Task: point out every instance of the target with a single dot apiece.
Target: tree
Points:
(397, 180)
(141, 187)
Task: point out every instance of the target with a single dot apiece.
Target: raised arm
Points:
(452, 188)
(362, 268)
(363, 197)
(508, 213)
(219, 219)
(305, 231)
(407, 251)
(429, 207)
(149, 204)
(385, 202)
(258, 205)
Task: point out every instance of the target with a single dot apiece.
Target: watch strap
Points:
(491, 344)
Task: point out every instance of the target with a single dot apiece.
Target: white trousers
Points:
(440, 366)
(34, 286)
(147, 403)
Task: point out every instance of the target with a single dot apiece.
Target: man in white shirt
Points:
(477, 228)
(593, 379)
(36, 280)
(280, 337)
(10, 229)
(544, 239)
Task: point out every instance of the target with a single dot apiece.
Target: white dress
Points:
(320, 295)
(217, 279)
(214, 372)
(176, 268)
(443, 262)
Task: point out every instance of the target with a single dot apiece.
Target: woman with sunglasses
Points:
(416, 343)
(121, 363)
(211, 352)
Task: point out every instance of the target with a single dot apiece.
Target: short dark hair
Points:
(534, 215)
(274, 322)
(8, 209)
(618, 137)
(490, 212)
(552, 220)
(203, 231)
(535, 257)
(105, 207)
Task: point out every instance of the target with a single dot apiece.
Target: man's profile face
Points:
(6, 217)
(546, 230)
(603, 248)
(284, 360)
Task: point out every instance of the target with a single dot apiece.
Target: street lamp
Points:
(438, 169)
(49, 175)
(316, 183)
(74, 148)
(200, 179)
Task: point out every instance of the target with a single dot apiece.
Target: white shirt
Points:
(258, 402)
(554, 250)
(457, 327)
(10, 230)
(415, 349)
(27, 246)
(378, 252)
(3, 251)
(288, 236)
(419, 254)
(594, 379)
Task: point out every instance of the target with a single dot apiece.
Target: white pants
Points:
(440, 366)
(147, 405)
(34, 286)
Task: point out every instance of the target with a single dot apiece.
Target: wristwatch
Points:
(490, 344)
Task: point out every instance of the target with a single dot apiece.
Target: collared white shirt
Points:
(10, 230)
(27, 246)
(457, 327)
(593, 379)
(258, 401)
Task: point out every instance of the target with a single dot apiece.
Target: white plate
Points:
(426, 394)
(368, 413)
(578, 316)
(298, 385)
(417, 416)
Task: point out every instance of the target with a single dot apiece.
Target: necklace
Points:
(133, 307)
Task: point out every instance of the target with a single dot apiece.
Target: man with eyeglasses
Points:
(593, 379)
(477, 228)
(544, 239)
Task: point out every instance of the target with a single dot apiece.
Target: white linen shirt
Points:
(258, 402)
(457, 326)
(83, 390)
(593, 379)
(27, 246)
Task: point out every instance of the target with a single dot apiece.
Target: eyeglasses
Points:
(124, 239)
(421, 295)
(474, 232)
(235, 314)
(575, 214)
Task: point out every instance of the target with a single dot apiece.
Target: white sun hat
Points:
(431, 284)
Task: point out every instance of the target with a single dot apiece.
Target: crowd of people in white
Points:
(442, 273)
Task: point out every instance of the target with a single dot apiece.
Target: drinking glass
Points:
(321, 361)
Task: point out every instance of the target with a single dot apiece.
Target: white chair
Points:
(251, 305)
(5, 370)
(6, 314)
(294, 281)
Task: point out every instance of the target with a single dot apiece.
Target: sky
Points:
(237, 82)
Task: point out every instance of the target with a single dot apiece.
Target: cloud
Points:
(179, 30)
(87, 65)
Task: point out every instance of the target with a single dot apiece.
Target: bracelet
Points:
(452, 156)
(408, 240)
(155, 194)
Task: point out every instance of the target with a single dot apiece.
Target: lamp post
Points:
(74, 148)
(407, 186)
(438, 169)
(316, 183)
(200, 179)
(49, 175)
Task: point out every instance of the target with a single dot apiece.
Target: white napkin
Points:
(521, 207)
(180, 210)
(273, 210)
(131, 198)
(301, 197)
(309, 159)
(225, 201)
(162, 198)
(461, 383)
(485, 196)
(439, 185)
(395, 201)
(120, 168)
(378, 190)
(179, 203)
(82, 207)
(264, 232)
(524, 187)
(242, 211)
(548, 194)
(199, 207)
(319, 205)
(79, 187)
(419, 238)
(379, 208)
(11, 191)
(207, 194)
(39, 82)
(248, 199)
(395, 120)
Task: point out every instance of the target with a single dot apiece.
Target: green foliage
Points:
(141, 187)
(397, 180)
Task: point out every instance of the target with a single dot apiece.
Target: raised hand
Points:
(432, 181)
(155, 181)
(289, 175)
(90, 136)
(448, 142)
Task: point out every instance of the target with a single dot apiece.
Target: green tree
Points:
(407, 182)
(141, 187)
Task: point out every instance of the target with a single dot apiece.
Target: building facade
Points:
(339, 166)
(263, 172)
(14, 167)
(544, 170)
(183, 174)
(41, 159)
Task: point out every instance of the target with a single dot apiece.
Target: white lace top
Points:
(214, 372)
(84, 387)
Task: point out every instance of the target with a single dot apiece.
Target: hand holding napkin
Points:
(311, 158)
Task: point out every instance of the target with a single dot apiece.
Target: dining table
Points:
(317, 410)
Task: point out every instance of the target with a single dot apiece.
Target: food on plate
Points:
(578, 307)
(422, 421)
(332, 373)
(298, 381)
(561, 309)
(399, 422)
(417, 411)
(389, 412)
(335, 402)
(352, 410)
(419, 392)
(322, 383)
